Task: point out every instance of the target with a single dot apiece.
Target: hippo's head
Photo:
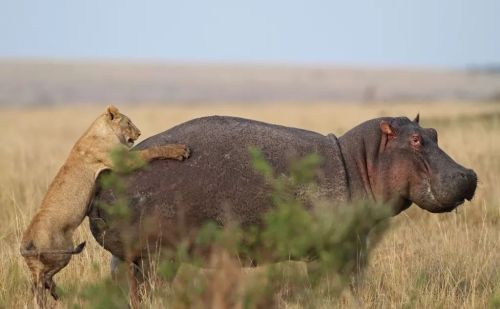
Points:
(401, 162)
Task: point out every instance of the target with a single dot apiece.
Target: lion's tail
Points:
(30, 250)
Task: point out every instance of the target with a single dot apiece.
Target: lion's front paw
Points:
(179, 152)
(173, 151)
(185, 152)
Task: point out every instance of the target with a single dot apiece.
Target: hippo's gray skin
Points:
(390, 160)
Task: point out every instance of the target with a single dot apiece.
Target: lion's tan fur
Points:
(65, 204)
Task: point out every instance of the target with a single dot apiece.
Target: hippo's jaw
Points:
(438, 207)
(443, 190)
(430, 203)
(450, 194)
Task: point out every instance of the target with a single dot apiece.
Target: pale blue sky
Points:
(446, 33)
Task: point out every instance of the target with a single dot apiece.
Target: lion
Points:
(47, 243)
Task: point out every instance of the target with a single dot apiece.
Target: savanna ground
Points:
(424, 260)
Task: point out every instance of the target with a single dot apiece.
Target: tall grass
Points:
(424, 260)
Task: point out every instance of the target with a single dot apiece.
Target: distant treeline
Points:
(488, 68)
(59, 82)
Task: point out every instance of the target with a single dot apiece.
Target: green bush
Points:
(329, 236)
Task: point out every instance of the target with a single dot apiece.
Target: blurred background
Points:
(79, 52)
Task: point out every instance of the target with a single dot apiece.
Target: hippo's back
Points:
(223, 134)
(218, 181)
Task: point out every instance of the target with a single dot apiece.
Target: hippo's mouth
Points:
(434, 204)
(447, 207)
(446, 195)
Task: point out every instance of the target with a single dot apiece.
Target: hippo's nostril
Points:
(472, 175)
(468, 174)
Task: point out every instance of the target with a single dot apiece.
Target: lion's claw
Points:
(185, 155)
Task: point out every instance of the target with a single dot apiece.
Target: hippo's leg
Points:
(117, 267)
(114, 265)
(133, 291)
(138, 273)
(135, 273)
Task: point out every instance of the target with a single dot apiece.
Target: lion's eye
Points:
(416, 140)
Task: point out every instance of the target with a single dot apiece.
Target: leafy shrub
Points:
(330, 237)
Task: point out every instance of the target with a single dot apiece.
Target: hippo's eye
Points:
(416, 140)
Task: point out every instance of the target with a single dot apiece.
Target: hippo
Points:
(391, 160)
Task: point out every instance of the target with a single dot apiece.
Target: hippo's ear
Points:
(387, 129)
(112, 112)
(417, 118)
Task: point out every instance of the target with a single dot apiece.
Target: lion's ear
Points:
(112, 112)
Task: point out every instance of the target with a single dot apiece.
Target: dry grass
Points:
(425, 260)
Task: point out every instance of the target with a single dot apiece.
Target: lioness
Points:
(47, 243)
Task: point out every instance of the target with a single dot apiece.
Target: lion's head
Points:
(122, 126)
